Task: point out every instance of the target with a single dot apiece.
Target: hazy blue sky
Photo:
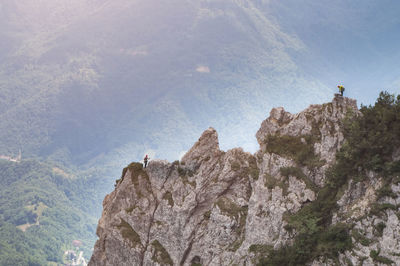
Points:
(355, 43)
(94, 80)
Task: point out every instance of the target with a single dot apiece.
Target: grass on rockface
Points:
(371, 140)
(270, 182)
(374, 254)
(378, 209)
(386, 191)
(235, 166)
(186, 181)
(135, 168)
(184, 174)
(297, 172)
(309, 245)
(298, 148)
(360, 238)
(231, 209)
(129, 233)
(207, 215)
(161, 255)
(379, 229)
(316, 236)
(239, 214)
(253, 169)
(130, 209)
(260, 249)
(168, 196)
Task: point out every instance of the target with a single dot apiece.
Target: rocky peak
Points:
(232, 208)
(322, 121)
(207, 146)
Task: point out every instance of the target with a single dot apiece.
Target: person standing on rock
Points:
(341, 89)
(146, 160)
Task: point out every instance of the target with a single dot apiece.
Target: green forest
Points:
(43, 209)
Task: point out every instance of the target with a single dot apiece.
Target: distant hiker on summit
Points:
(341, 89)
(146, 160)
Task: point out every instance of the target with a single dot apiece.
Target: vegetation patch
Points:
(310, 245)
(181, 171)
(360, 238)
(371, 139)
(168, 196)
(184, 174)
(315, 235)
(235, 166)
(128, 233)
(117, 182)
(186, 181)
(161, 255)
(386, 191)
(379, 229)
(207, 215)
(298, 148)
(130, 209)
(297, 172)
(316, 126)
(374, 254)
(260, 249)
(238, 242)
(253, 169)
(136, 170)
(378, 209)
(270, 182)
(158, 223)
(231, 209)
(238, 213)
(34, 213)
(369, 144)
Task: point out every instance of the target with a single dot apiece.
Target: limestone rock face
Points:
(322, 121)
(227, 208)
(206, 146)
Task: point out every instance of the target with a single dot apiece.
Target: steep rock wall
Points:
(228, 208)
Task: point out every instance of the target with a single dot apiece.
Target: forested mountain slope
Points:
(43, 208)
(77, 73)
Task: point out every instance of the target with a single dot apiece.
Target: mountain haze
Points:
(88, 86)
(88, 72)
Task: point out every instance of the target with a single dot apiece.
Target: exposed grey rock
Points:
(323, 122)
(222, 208)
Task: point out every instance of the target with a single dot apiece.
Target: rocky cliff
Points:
(236, 208)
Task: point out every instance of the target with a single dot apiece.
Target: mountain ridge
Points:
(215, 207)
